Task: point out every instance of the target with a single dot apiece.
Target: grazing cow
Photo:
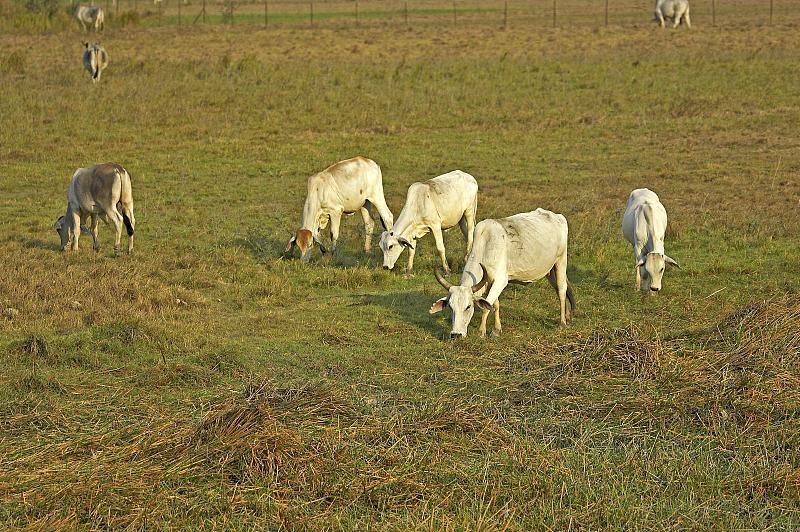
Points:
(439, 203)
(91, 15)
(343, 188)
(102, 192)
(677, 10)
(95, 60)
(644, 225)
(518, 249)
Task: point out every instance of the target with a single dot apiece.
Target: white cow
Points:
(644, 225)
(101, 191)
(518, 249)
(677, 10)
(343, 188)
(95, 60)
(91, 15)
(439, 203)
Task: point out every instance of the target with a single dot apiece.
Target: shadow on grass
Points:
(41, 244)
(263, 246)
(410, 306)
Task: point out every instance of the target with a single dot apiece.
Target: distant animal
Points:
(518, 249)
(91, 15)
(99, 192)
(439, 203)
(644, 225)
(95, 60)
(343, 188)
(677, 10)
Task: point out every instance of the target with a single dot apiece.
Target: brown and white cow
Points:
(343, 188)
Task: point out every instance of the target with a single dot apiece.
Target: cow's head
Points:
(304, 239)
(651, 269)
(462, 301)
(63, 231)
(392, 246)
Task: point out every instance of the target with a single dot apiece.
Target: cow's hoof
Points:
(496, 332)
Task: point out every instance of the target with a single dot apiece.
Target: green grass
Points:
(206, 381)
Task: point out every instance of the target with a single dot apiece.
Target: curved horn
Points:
(670, 260)
(482, 282)
(403, 241)
(441, 279)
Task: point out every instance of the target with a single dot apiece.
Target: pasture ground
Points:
(205, 381)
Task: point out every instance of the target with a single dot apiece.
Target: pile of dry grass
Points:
(299, 454)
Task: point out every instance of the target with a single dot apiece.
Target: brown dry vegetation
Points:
(207, 382)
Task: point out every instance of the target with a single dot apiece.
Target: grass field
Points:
(207, 382)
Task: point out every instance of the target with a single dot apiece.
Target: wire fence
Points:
(354, 13)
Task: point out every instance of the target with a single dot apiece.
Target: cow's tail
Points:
(571, 296)
(127, 221)
(127, 212)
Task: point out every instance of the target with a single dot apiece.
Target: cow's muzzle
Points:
(454, 335)
(654, 289)
(385, 267)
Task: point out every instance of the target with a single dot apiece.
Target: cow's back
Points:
(452, 193)
(98, 187)
(526, 244)
(645, 220)
(353, 172)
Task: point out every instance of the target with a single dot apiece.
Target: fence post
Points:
(606, 12)
(505, 15)
(713, 12)
(554, 13)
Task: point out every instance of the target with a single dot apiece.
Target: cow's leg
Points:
(336, 220)
(387, 220)
(558, 280)
(437, 236)
(638, 278)
(467, 224)
(95, 231)
(660, 18)
(369, 227)
(410, 265)
(130, 222)
(75, 226)
(116, 219)
(676, 20)
(497, 326)
(482, 328)
(686, 18)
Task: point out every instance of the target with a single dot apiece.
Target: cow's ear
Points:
(670, 260)
(290, 244)
(485, 305)
(438, 306)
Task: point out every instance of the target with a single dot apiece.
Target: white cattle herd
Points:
(520, 249)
